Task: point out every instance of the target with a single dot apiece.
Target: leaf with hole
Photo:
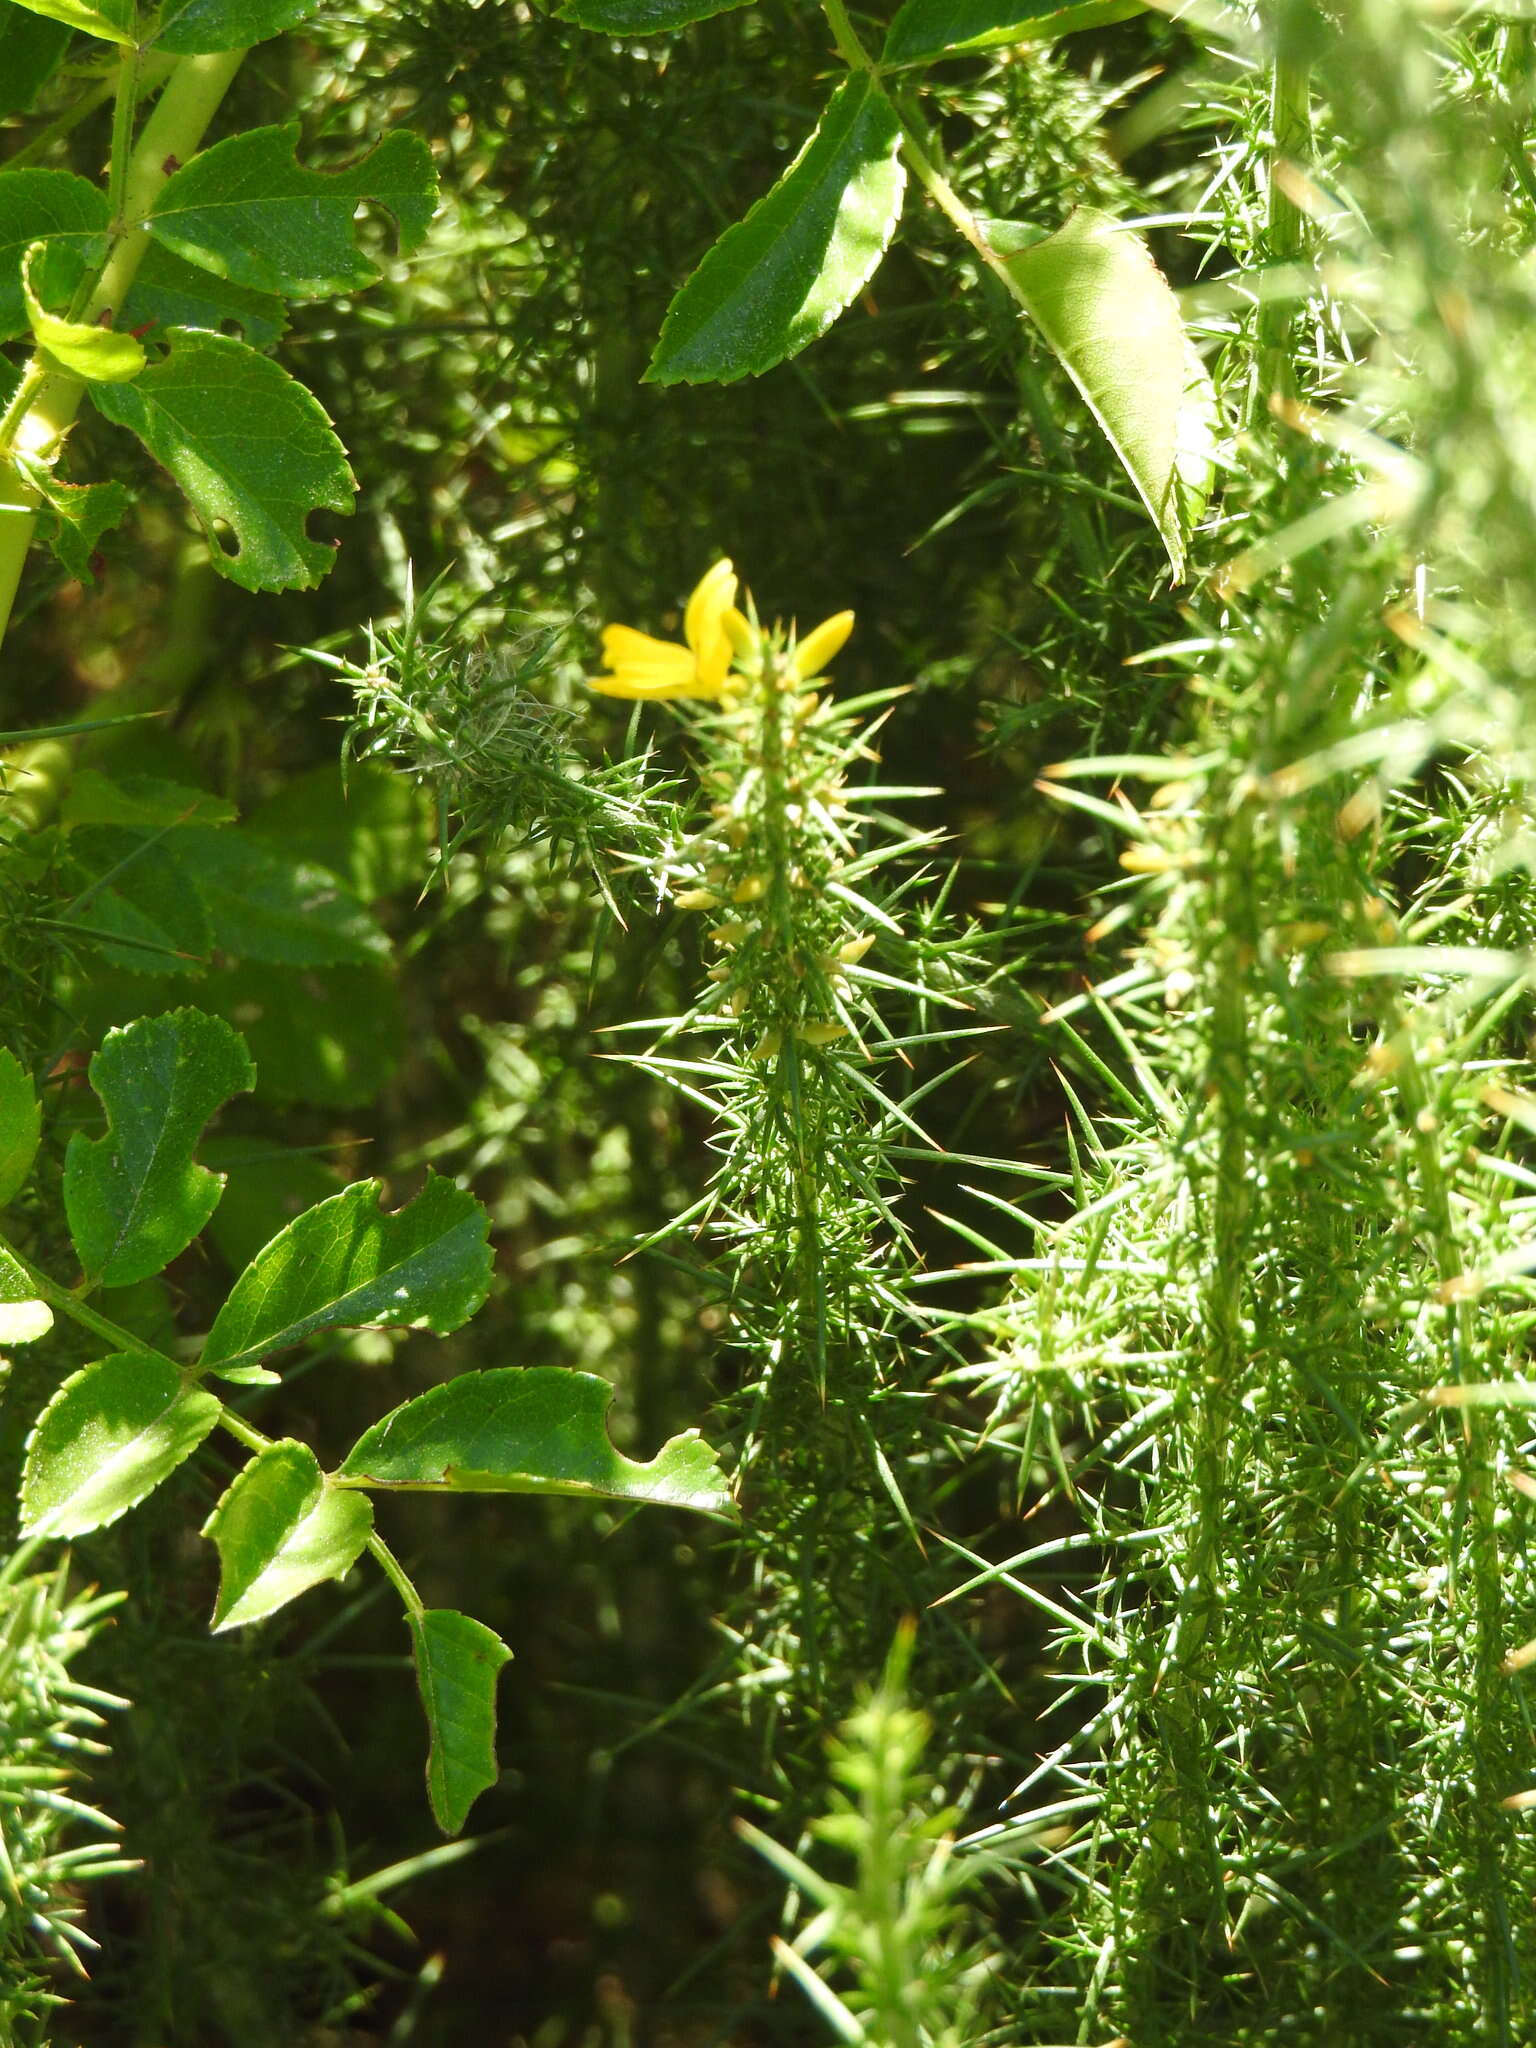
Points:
(252, 450)
(20, 1126)
(248, 211)
(107, 1439)
(135, 1197)
(457, 1664)
(347, 1262)
(1111, 318)
(533, 1429)
(927, 29)
(780, 277)
(280, 1529)
(166, 292)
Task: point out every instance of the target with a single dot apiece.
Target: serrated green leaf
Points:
(251, 449)
(107, 1439)
(347, 1262)
(23, 1317)
(111, 21)
(100, 355)
(20, 1126)
(642, 17)
(67, 214)
(264, 905)
(780, 277)
(926, 29)
(74, 518)
(533, 1429)
(135, 1197)
(248, 211)
(193, 28)
(146, 801)
(169, 293)
(457, 1663)
(147, 904)
(279, 1530)
(31, 50)
(1111, 318)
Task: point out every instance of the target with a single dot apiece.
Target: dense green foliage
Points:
(886, 1275)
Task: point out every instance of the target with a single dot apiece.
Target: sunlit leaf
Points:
(280, 1529)
(457, 1663)
(535, 1429)
(190, 28)
(926, 29)
(780, 277)
(347, 1262)
(106, 1440)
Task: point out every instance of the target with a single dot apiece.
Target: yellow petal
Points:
(814, 652)
(740, 631)
(713, 597)
(644, 667)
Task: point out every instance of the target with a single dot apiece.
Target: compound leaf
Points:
(249, 447)
(457, 1664)
(926, 29)
(106, 1440)
(20, 1126)
(135, 1197)
(1112, 320)
(346, 1262)
(280, 1529)
(194, 28)
(780, 277)
(249, 212)
(534, 1429)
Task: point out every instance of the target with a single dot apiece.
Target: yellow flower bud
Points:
(696, 899)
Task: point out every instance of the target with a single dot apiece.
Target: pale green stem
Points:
(46, 401)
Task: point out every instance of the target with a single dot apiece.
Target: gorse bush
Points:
(1033, 1067)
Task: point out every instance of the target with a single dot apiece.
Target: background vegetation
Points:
(1118, 1346)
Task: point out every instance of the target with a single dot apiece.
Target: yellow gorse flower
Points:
(637, 665)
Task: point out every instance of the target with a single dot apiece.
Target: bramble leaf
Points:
(926, 29)
(169, 293)
(642, 17)
(23, 1317)
(249, 447)
(264, 905)
(347, 1262)
(98, 354)
(528, 1429)
(135, 1197)
(280, 1529)
(248, 211)
(105, 1441)
(780, 277)
(1111, 318)
(110, 20)
(74, 518)
(194, 28)
(67, 214)
(20, 1126)
(457, 1662)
